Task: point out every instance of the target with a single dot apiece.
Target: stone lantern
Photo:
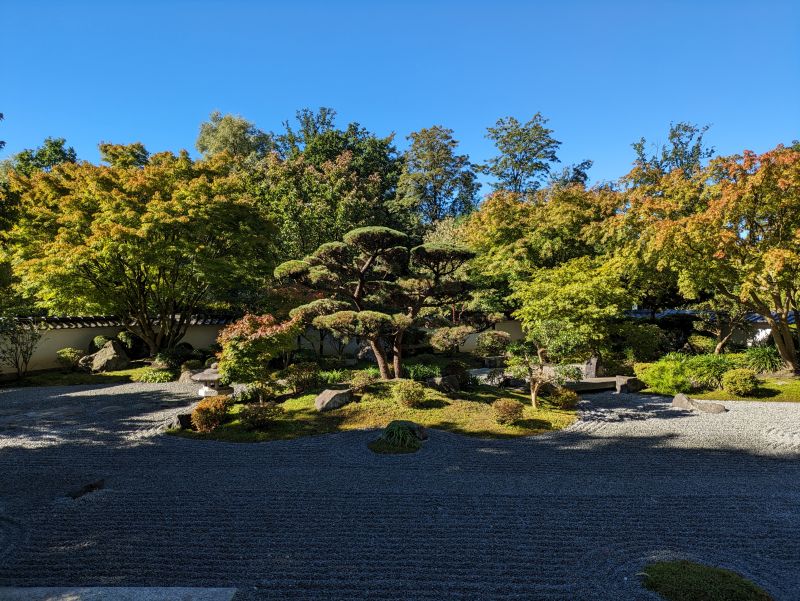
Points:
(210, 379)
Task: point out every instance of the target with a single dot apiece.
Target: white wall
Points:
(44, 357)
(511, 326)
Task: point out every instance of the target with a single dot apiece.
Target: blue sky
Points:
(604, 73)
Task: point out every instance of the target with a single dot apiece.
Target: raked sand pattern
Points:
(567, 516)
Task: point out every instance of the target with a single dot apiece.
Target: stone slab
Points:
(106, 593)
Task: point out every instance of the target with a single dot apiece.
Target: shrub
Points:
(301, 376)
(172, 358)
(257, 392)
(705, 371)
(763, 359)
(401, 434)
(248, 345)
(564, 398)
(665, 376)
(334, 376)
(360, 380)
(740, 382)
(458, 369)
(259, 416)
(421, 371)
(210, 413)
(702, 345)
(210, 361)
(507, 411)
(448, 340)
(191, 365)
(153, 375)
(18, 340)
(98, 342)
(492, 343)
(639, 341)
(409, 393)
(69, 357)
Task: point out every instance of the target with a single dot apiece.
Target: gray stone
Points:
(332, 399)
(445, 383)
(186, 376)
(681, 401)
(111, 357)
(181, 421)
(630, 384)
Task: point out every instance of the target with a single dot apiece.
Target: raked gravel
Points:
(569, 515)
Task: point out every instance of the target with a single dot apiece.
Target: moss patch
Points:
(470, 413)
(77, 378)
(689, 581)
(771, 389)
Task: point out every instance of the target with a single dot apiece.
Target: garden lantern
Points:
(210, 379)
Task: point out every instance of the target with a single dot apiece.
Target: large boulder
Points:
(332, 399)
(681, 401)
(111, 357)
(445, 383)
(629, 384)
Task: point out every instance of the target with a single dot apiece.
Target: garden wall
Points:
(199, 336)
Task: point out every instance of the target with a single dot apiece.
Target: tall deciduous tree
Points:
(52, 152)
(527, 152)
(151, 244)
(233, 134)
(436, 182)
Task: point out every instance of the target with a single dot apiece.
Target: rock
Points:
(681, 401)
(181, 421)
(419, 431)
(333, 399)
(629, 384)
(186, 375)
(85, 362)
(445, 383)
(706, 407)
(111, 357)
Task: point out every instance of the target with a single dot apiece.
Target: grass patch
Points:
(689, 581)
(77, 378)
(470, 414)
(785, 390)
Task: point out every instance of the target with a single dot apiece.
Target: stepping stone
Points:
(106, 593)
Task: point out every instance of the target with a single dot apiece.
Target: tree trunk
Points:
(784, 341)
(535, 385)
(721, 342)
(380, 359)
(397, 350)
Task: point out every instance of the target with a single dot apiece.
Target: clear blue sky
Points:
(604, 73)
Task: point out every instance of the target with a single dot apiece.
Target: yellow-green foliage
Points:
(564, 398)
(740, 382)
(409, 393)
(507, 411)
(259, 416)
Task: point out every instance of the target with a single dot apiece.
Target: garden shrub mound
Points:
(507, 411)
(740, 382)
(409, 393)
(468, 413)
(259, 416)
(688, 581)
(210, 413)
(400, 436)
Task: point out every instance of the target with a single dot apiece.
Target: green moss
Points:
(470, 414)
(689, 581)
(76, 378)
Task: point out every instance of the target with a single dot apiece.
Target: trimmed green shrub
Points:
(257, 392)
(172, 358)
(360, 380)
(507, 411)
(448, 340)
(408, 393)
(459, 370)
(301, 376)
(705, 371)
(421, 372)
(69, 357)
(191, 365)
(702, 345)
(740, 382)
(334, 376)
(665, 376)
(210, 413)
(492, 343)
(152, 375)
(564, 398)
(763, 359)
(259, 416)
(98, 342)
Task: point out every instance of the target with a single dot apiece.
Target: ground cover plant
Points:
(690, 581)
